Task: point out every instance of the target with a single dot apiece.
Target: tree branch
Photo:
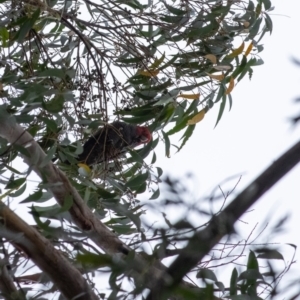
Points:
(7, 287)
(203, 241)
(61, 188)
(144, 273)
(66, 277)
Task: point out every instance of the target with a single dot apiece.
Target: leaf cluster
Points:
(68, 67)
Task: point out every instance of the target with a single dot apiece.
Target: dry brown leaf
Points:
(211, 57)
(230, 86)
(246, 24)
(237, 51)
(217, 77)
(197, 118)
(190, 96)
(149, 73)
(249, 48)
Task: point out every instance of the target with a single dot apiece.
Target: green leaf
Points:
(40, 224)
(4, 36)
(220, 10)
(166, 114)
(15, 183)
(233, 282)
(159, 171)
(254, 30)
(252, 261)
(221, 109)
(146, 94)
(153, 161)
(13, 169)
(51, 124)
(269, 23)
(123, 229)
(230, 101)
(203, 32)
(139, 79)
(135, 182)
(55, 105)
(173, 19)
(155, 195)
(222, 91)
(33, 197)
(94, 260)
(130, 60)
(167, 143)
(49, 156)
(133, 4)
(137, 111)
(105, 194)
(252, 62)
(220, 285)
(135, 157)
(67, 204)
(206, 274)
(244, 297)
(52, 73)
(132, 170)
(138, 120)
(251, 6)
(142, 153)
(252, 273)
(123, 210)
(174, 10)
(79, 148)
(182, 124)
(22, 150)
(70, 119)
(27, 26)
(168, 97)
(24, 118)
(19, 192)
(117, 184)
(188, 133)
(267, 4)
(157, 62)
(168, 64)
(269, 254)
(240, 67)
(251, 276)
(51, 211)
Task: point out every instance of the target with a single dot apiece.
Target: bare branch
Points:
(66, 277)
(203, 241)
(7, 287)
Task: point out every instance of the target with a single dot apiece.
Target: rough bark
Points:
(62, 273)
(7, 287)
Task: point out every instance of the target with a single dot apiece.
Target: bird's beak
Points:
(144, 139)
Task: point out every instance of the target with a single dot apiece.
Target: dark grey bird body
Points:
(111, 141)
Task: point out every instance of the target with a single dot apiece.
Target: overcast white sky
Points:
(256, 131)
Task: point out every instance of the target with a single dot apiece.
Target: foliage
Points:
(68, 67)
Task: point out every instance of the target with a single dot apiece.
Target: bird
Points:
(111, 141)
